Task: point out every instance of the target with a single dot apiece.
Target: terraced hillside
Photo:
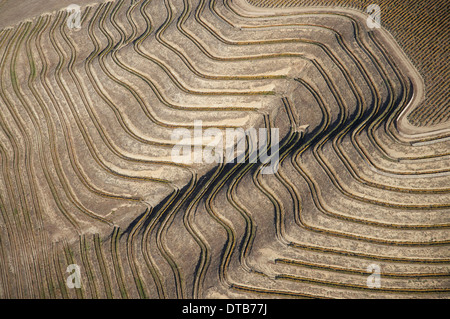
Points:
(422, 28)
(86, 119)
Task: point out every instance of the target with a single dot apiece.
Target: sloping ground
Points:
(13, 12)
(87, 178)
(422, 28)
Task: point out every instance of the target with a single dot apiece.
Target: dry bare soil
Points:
(87, 177)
